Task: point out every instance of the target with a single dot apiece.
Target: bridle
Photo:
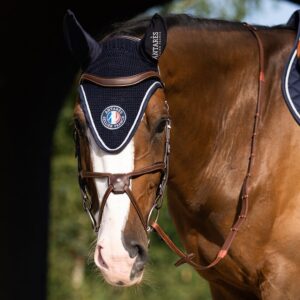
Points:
(119, 183)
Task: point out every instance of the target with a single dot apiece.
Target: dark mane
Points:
(136, 27)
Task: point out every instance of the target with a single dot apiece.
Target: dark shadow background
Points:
(36, 73)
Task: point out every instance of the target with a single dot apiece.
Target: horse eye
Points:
(161, 126)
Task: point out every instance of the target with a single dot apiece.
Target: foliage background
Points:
(72, 274)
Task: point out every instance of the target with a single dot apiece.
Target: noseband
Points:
(119, 183)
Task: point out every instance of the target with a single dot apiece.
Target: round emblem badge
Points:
(113, 117)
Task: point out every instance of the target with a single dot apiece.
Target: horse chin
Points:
(122, 282)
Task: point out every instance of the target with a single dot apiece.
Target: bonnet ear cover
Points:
(113, 113)
(84, 48)
(155, 38)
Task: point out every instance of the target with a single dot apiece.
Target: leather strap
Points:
(159, 166)
(119, 184)
(119, 81)
(185, 258)
(137, 209)
(131, 197)
(188, 258)
(103, 202)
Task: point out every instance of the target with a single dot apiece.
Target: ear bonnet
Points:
(113, 113)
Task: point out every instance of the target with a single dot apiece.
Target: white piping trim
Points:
(134, 123)
(286, 84)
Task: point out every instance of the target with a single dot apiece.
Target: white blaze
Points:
(116, 210)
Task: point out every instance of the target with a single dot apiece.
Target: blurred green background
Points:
(72, 274)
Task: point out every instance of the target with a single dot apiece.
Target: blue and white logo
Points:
(113, 117)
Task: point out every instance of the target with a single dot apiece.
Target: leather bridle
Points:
(119, 183)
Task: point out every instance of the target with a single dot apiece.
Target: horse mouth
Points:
(119, 271)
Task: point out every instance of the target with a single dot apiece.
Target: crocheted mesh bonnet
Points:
(114, 113)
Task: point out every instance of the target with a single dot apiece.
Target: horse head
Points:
(122, 143)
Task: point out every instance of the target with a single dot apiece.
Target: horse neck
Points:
(210, 71)
(211, 82)
(211, 79)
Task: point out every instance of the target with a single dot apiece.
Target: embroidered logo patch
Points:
(113, 117)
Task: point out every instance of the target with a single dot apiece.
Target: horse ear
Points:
(84, 48)
(155, 39)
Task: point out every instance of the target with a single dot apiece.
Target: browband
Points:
(119, 81)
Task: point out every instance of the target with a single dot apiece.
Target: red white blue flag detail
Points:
(113, 117)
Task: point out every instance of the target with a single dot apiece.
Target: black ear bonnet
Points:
(114, 113)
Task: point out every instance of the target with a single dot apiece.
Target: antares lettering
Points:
(156, 44)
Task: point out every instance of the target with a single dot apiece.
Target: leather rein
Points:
(120, 183)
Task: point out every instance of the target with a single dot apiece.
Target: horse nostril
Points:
(140, 252)
(99, 261)
(137, 250)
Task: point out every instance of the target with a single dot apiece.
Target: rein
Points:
(188, 258)
(120, 183)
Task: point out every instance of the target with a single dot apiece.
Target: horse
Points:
(230, 162)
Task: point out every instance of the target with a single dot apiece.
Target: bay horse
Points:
(234, 158)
